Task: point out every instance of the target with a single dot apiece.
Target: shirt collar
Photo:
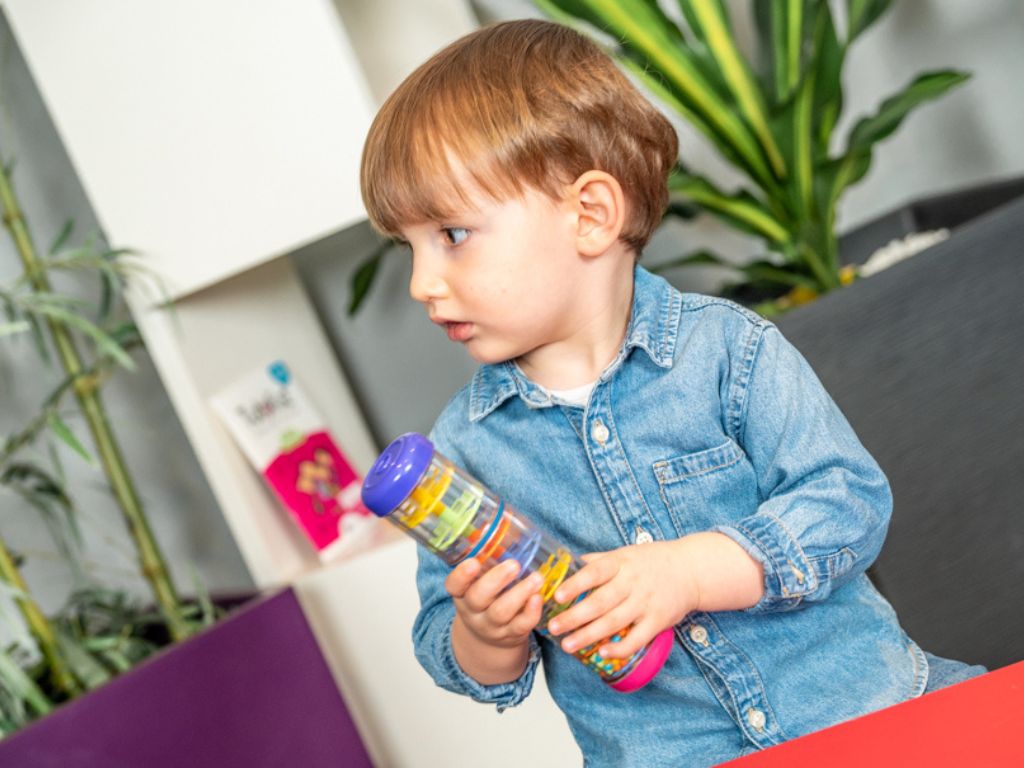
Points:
(653, 327)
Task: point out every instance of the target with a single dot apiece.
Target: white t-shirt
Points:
(572, 396)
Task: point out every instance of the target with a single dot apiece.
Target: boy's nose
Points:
(426, 283)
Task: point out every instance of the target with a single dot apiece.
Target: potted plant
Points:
(155, 674)
(773, 120)
(100, 632)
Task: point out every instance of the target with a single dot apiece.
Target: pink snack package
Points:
(287, 441)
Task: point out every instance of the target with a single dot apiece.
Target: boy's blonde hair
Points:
(518, 104)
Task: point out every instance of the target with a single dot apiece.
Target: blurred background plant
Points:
(773, 119)
(100, 631)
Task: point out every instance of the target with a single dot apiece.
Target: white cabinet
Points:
(211, 136)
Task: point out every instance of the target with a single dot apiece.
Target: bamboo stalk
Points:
(38, 624)
(151, 560)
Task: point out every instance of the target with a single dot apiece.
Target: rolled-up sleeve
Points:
(432, 641)
(825, 503)
(432, 630)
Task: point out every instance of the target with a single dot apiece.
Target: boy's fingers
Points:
(605, 626)
(462, 578)
(487, 587)
(638, 637)
(595, 605)
(596, 572)
(529, 617)
(512, 601)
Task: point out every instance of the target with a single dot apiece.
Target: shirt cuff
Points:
(504, 695)
(789, 575)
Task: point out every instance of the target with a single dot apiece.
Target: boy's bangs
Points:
(433, 171)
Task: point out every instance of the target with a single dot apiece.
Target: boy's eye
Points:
(454, 235)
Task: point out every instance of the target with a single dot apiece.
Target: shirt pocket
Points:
(707, 488)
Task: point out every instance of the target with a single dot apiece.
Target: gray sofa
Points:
(927, 362)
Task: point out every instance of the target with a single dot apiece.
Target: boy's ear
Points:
(600, 208)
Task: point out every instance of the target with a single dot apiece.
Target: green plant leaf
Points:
(105, 345)
(655, 85)
(786, 23)
(19, 684)
(861, 14)
(835, 176)
(86, 669)
(717, 34)
(701, 257)
(829, 55)
(925, 87)
(768, 272)
(363, 278)
(63, 432)
(62, 236)
(48, 496)
(679, 209)
(741, 209)
(652, 38)
(9, 329)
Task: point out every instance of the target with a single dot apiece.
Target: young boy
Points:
(679, 436)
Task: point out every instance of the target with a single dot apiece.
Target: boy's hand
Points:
(652, 586)
(493, 615)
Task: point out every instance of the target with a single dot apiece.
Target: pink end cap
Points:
(649, 666)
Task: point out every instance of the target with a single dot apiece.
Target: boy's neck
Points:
(605, 310)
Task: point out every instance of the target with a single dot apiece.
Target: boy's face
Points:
(502, 278)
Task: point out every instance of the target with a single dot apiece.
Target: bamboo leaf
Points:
(62, 236)
(741, 209)
(9, 329)
(48, 497)
(104, 344)
(19, 684)
(861, 14)
(894, 109)
(84, 667)
(712, 21)
(63, 432)
(39, 338)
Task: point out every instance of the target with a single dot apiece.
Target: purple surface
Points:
(251, 691)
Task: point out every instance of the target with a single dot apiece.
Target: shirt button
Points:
(756, 719)
(599, 432)
(642, 536)
(699, 635)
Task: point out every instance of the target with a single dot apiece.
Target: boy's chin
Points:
(487, 355)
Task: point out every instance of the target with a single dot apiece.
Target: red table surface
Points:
(979, 722)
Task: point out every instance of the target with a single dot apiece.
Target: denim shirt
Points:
(707, 420)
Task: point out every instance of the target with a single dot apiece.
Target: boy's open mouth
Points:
(458, 331)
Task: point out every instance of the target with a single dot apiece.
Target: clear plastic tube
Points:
(456, 517)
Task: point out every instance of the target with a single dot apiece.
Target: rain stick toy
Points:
(446, 510)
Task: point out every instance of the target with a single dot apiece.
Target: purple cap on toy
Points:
(395, 473)
(649, 666)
